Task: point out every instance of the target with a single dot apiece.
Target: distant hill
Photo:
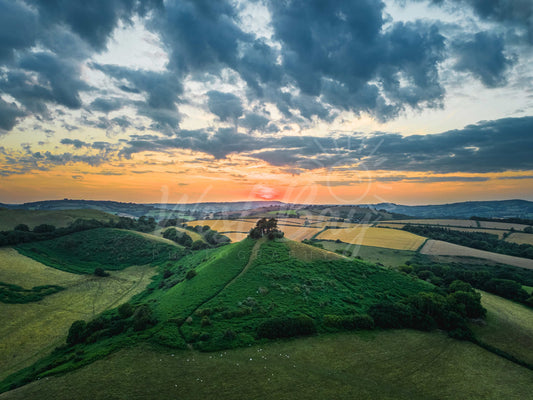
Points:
(9, 218)
(467, 209)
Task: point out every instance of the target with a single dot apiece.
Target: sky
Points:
(303, 101)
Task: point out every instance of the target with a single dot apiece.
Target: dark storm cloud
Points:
(254, 122)
(340, 49)
(62, 76)
(106, 105)
(327, 57)
(13, 17)
(93, 20)
(224, 105)
(490, 146)
(484, 57)
(511, 13)
(9, 112)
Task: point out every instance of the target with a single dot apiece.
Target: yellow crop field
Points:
(236, 236)
(438, 247)
(30, 331)
(59, 218)
(520, 238)
(378, 237)
(299, 233)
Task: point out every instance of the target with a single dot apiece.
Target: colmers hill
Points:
(211, 299)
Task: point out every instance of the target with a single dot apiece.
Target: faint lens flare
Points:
(264, 192)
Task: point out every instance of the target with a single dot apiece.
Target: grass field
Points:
(370, 365)
(379, 237)
(501, 225)
(30, 331)
(236, 236)
(438, 247)
(377, 255)
(520, 238)
(111, 249)
(59, 218)
(509, 327)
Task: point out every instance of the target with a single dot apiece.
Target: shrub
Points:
(44, 228)
(100, 272)
(190, 274)
(125, 310)
(22, 228)
(286, 327)
(142, 318)
(77, 332)
(205, 321)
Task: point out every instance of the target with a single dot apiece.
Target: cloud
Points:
(484, 57)
(9, 112)
(92, 20)
(510, 13)
(78, 144)
(14, 16)
(106, 105)
(226, 106)
(489, 146)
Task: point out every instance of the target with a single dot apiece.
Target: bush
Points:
(286, 327)
(190, 274)
(77, 332)
(22, 228)
(100, 272)
(125, 310)
(44, 228)
(142, 318)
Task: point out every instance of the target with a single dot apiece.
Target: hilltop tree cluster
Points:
(266, 227)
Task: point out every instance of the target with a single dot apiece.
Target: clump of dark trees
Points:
(212, 238)
(265, 227)
(503, 281)
(476, 240)
(22, 233)
(126, 318)
(14, 294)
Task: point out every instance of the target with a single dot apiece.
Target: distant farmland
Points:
(379, 237)
(440, 248)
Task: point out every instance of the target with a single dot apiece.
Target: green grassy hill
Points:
(110, 249)
(246, 294)
(59, 218)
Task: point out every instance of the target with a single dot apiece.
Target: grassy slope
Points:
(278, 284)
(111, 249)
(509, 327)
(30, 331)
(59, 218)
(375, 365)
(381, 255)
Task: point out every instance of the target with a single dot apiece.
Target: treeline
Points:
(22, 233)
(476, 240)
(504, 282)
(212, 238)
(449, 308)
(14, 294)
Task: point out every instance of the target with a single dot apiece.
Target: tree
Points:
(77, 332)
(44, 228)
(22, 228)
(266, 227)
